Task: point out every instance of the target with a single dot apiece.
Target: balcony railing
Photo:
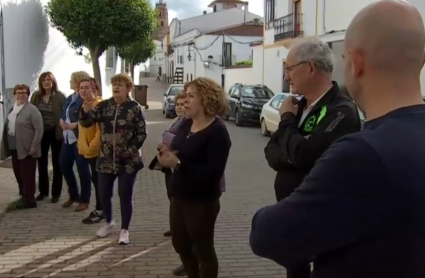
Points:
(289, 26)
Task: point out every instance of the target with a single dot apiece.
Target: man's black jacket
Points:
(292, 150)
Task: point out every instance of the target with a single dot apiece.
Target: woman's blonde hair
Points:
(213, 97)
(78, 76)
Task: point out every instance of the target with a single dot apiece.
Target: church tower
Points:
(162, 18)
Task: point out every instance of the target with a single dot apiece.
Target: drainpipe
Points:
(324, 17)
(317, 17)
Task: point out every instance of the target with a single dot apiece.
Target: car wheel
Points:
(238, 120)
(264, 130)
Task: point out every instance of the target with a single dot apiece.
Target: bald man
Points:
(360, 213)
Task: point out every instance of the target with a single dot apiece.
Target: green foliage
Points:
(247, 63)
(99, 24)
(138, 52)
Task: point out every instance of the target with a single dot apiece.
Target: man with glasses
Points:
(310, 125)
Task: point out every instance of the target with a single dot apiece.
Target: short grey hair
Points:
(314, 50)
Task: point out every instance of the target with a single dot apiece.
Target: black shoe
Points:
(55, 200)
(26, 205)
(40, 197)
(179, 271)
(167, 234)
(93, 218)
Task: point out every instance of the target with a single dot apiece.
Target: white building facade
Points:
(156, 62)
(193, 36)
(327, 19)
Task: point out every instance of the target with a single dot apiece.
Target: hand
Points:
(88, 105)
(32, 151)
(72, 126)
(168, 159)
(290, 104)
(63, 125)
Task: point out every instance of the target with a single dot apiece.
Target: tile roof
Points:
(244, 30)
(227, 2)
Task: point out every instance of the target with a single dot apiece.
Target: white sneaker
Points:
(106, 230)
(124, 237)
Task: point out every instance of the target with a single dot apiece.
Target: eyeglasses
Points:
(21, 93)
(288, 69)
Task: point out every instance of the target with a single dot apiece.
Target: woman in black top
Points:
(198, 157)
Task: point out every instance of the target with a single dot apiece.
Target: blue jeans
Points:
(69, 155)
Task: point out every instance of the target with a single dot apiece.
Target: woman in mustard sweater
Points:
(88, 144)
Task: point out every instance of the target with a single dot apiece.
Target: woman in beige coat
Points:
(21, 139)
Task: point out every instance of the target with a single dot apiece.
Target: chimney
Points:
(205, 12)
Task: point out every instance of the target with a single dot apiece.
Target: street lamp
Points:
(189, 57)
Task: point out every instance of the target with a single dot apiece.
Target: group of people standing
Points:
(103, 139)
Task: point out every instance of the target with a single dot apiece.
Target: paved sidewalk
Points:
(52, 242)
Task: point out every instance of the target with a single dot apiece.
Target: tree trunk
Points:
(96, 69)
(132, 70)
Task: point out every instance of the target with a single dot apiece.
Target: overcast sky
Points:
(188, 8)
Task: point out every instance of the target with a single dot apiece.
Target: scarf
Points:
(11, 126)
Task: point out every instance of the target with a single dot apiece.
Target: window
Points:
(270, 13)
(227, 54)
(162, 23)
(275, 103)
(110, 57)
(235, 93)
(160, 14)
(257, 92)
(175, 90)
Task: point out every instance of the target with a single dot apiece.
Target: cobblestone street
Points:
(52, 242)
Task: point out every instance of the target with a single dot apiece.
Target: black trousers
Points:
(95, 181)
(24, 170)
(49, 141)
(192, 228)
(168, 173)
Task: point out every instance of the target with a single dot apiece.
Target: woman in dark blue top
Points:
(198, 157)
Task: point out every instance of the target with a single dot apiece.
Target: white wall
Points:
(240, 52)
(273, 65)
(243, 75)
(258, 64)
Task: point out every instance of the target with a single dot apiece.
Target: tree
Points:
(137, 52)
(99, 24)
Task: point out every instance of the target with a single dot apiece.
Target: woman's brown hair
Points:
(178, 96)
(21, 87)
(40, 82)
(213, 97)
(96, 86)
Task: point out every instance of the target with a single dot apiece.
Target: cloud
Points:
(183, 9)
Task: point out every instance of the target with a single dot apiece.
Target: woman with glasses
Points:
(21, 140)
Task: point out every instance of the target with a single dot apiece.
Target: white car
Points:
(269, 117)
(168, 104)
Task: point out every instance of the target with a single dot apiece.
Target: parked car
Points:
(270, 117)
(246, 101)
(168, 105)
